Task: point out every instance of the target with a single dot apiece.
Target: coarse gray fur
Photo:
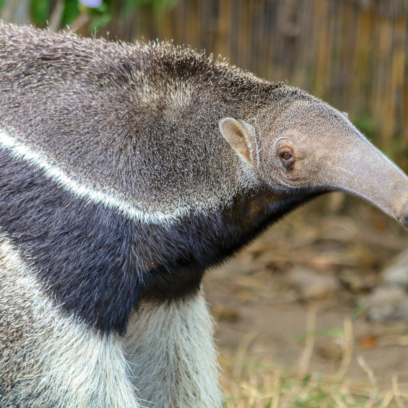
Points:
(48, 360)
(134, 120)
(171, 344)
(165, 137)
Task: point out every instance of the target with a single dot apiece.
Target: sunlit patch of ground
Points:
(284, 346)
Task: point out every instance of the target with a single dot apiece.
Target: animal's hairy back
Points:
(130, 119)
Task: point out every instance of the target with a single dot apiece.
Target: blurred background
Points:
(315, 312)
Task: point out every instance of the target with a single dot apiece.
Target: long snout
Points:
(364, 171)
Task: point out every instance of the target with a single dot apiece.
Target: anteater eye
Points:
(285, 156)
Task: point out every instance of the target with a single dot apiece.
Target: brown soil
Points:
(258, 309)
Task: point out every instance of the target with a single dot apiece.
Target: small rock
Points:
(388, 303)
(330, 353)
(368, 342)
(358, 282)
(397, 273)
(310, 284)
(226, 313)
(245, 295)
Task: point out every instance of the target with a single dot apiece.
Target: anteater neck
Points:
(100, 265)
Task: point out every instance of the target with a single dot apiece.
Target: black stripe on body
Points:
(82, 251)
(98, 264)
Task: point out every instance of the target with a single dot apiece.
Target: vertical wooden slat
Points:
(223, 38)
(322, 36)
(361, 63)
(398, 72)
(386, 125)
(404, 104)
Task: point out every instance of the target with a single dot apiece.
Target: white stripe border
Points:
(21, 151)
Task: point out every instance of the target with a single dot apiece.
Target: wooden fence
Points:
(351, 53)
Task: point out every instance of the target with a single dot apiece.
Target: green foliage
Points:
(366, 123)
(40, 10)
(398, 152)
(157, 7)
(71, 12)
(326, 332)
(100, 16)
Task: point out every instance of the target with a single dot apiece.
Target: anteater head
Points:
(310, 145)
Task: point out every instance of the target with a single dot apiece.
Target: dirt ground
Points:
(260, 309)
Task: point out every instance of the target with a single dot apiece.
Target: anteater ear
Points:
(242, 138)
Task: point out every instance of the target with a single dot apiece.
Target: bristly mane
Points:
(118, 108)
(116, 184)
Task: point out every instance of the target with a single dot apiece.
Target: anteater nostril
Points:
(403, 215)
(405, 220)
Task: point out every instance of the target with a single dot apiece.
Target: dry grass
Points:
(251, 382)
(254, 382)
